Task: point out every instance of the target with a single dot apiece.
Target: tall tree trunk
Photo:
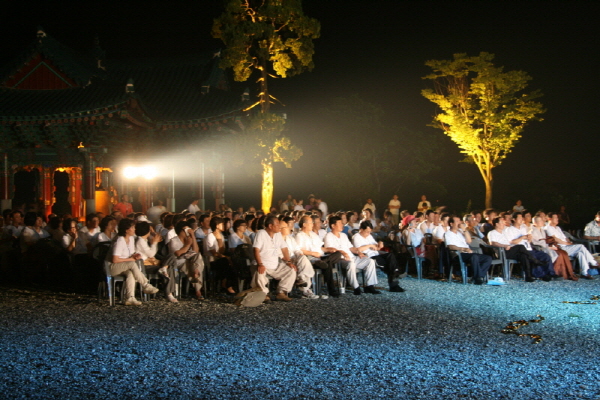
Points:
(489, 183)
(267, 186)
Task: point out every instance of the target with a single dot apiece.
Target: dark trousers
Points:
(326, 264)
(480, 263)
(542, 270)
(223, 270)
(390, 267)
(520, 253)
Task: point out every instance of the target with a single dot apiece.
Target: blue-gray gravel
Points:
(436, 340)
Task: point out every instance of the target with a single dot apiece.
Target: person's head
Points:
(369, 201)
(527, 216)
(366, 227)
(162, 217)
(430, 215)
(597, 217)
(454, 222)
(306, 223)
(177, 218)
(286, 225)
(100, 215)
(108, 223)
(562, 209)
(507, 218)
(272, 224)
(124, 198)
(195, 202)
(519, 202)
(335, 224)
(395, 197)
(517, 218)
(367, 213)
(423, 198)
(477, 216)
(118, 215)
(16, 217)
(470, 220)
(126, 227)
(192, 223)
(410, 221)
(216, 223)
(240, 225)
(317, 223)
(30, 219)
(490, 215)
(92, 221)
(342, 215)
(142, 229)
(180, 228)
(54, 222)
(539, 221)
(553, 218)
(498, 223)
(444, 218)
(351, 217)
(69, 225)
(204, 221)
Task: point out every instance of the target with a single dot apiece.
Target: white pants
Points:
(583, 256)
(193, 268)
(284, 273)
(305, 270)
(366, 264)
(132, 274)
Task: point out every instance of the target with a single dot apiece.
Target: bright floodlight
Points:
(148, 172)
(131, 172)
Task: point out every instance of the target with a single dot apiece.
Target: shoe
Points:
(149, 289)
(547, 278)
(172, 299)
(402, 275)
(479, 281)
(396, 289)
(301, 283)
(557, 278)
(267, 299)
(357, 291)
(325, 297)
(282, 296)
(309, 295)
(588, 277)
(163, 272)
(199, 295)
(529, 279)
(371, 290)
(132, 302)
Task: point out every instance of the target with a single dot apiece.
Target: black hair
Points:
(142, 228)
(125, 224)
(365, 224)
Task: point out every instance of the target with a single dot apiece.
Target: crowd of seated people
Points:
(288, 244)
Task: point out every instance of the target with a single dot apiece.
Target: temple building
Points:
(67, 119)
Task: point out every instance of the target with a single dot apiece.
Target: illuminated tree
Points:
(272, 38)
(483, 109)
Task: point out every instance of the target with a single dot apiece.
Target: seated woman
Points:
(108, 231)
(560, 258)
(214, 249)
(32, 232)
(387, 224)
(185, 248)
(146, 245)
(123, 262)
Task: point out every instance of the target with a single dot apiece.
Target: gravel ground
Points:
(436, 340)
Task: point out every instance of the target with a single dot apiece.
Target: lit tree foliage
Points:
(483, 109)
(274, 39)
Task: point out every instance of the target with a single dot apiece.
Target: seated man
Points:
(472, 226)
(367, 244)
(457, 240)
(592, 230)
(498, 238)
(518, 233)
(311, 246)
(273, 259)
(574, 250)
(487, 226)
(305, 268)
(353, 259)
(185, 248)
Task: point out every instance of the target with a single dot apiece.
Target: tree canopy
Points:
(482, 108)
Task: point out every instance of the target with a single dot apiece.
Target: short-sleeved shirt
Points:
(556, 232)
(513, 233)
(439, 232)
(455, 239)
(339, 243)
(123, 249)
(235, 241)
(394, 203)
(269, 247)
(498, 237)
(358, 240)
(592, 229)
(310, 242)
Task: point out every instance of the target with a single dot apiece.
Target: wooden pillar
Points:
(5, 195)
(89, 184)
(75, 192)
(47, 175)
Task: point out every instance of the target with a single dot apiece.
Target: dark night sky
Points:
(377, 49)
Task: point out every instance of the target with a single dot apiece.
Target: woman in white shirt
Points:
(108, 230)
(124, 259)
(214, 248)
(32, 232)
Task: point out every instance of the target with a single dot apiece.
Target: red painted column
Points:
(75, 189)
(48, 185)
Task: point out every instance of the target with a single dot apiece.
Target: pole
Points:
(202, 200)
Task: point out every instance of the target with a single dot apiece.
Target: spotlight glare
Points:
(131, 172)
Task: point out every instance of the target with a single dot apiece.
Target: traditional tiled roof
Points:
(186, 90)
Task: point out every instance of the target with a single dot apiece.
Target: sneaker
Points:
(172, 299)
(132, 302)
(149, 289)
(309, 295)
(163, 272)
(301, 283)
(324, 297)
(282, 297)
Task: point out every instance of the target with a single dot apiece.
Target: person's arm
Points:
(261, 268)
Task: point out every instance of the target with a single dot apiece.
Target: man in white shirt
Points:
(394, 207)
(574, 250)
(193, 207)
(457, 239)
(318, 227)
(311, 246)
(321, 205)
(203, 227)
(273, 259)
(305, 271)
(428, 225)
(154, 212)
(367, 244)
(14, 229)
(592, 230)
(423, 205)
(518, 233)
(496, 237)
(352, 258)
(88, 231)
